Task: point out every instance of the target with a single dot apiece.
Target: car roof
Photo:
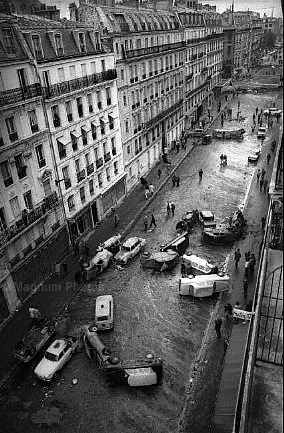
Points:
(206, 213)
(131, 241)
(57, 346)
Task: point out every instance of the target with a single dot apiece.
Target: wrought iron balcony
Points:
(130, 54)
(78, 83)
(28, 218)
(99, 162)
(90, 169)
(81, 175)
(107, 157)
(163, 114)
(20, 94)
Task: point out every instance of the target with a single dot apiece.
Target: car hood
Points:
(45, 369)
(121, 255)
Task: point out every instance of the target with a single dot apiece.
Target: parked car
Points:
(56, 356)
(35, 339)
(254, 155)
(104, 312)
(261, 133)
(198, 132)
(201, 286)
(272, 111)
(130, 248)
(206, 217)
(98, 263)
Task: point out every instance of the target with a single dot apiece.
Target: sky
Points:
(261, 6)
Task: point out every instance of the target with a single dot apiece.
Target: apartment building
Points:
(66, 141)
(31, 215)
(155, 50)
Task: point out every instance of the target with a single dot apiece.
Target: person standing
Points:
(159, 173)
(263, 221)
(265, 184)
(218, 325)
(237, 256)
(200, 174)
(153, 221)
(258, 175)
(261, 182)
(177, 181)
(151, 189)
(228, 310)
(116, 220)
(268, 158)
(168, 208)
(263, 173)
(145, 222)
(146, 192)
(245, 286)
(173, 208)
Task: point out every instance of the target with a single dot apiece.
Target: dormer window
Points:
(9, 44)
(58, 45)
(82, 43)
(37, 47)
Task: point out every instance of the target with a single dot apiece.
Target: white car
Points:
(55, 358)
(202, 286)
(254, 155)
(272, 111)
(206, 217)
(261, 133)
(130, 248)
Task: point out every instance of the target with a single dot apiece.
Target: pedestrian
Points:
(221, 159)
(245, 286)
(168, 208)
(237, 256)
(177, 181)
(146, 192)
(263, 173)
(252, 262)
(200, 174)
(228, 310)
(263, 221)
(145, 221)
(247, 268)
(247, 256)
(261, 182)
(258, 175)
(256, 110)
(225, 160)
(116, 220)
(151, 189)
(153, 221)
(174, 180)
(177, 147)
(159, 173)
(268, 158)
(35, 314)
(265, 184)
(173, 208)
(218, 324)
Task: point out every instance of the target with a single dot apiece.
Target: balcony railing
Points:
(78, 83)
(163, 114)
(153, 50)
(197, 89)
(20, 94)
(29, 218)
(99, 162)
(81, 175)
(107, 157)
(90, 169)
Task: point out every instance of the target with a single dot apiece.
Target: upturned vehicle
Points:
(272, 111)
(237, 134)
(129, 249)
(35, 339)
(188, 221)
(206, 217)
(140, 372)
(254, 155)
(226, 233)
(55, 357)
(161, 261)
(197, 266)
(112, 244)
(98, 263)
(178, 244)
(202, 286)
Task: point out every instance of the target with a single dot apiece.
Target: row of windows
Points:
(11, 127)
(83, 105)
(20, 165)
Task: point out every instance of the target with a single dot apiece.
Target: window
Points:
(111, 122)
(74, 141)
(93, 67)
(66, 177)
(55, 116)
(108, 173)
(99, 101)
(71, 204)
(46, 78)
(61, 148)
(20, 165)
(68, 107)
(103, 65)
(115, 167)
(122, 74)
(3, 224)
(14, 203)
(33, 121)
(1, 140)
(113, 147)
(58, 45)
(6, 173)
(84, 69)
(108, 96)
(126, 126)
(100, 180)
(82, 42)
(82, 194)
(102, 126)
(72, 71)
(91, 187)
(80, 107)
(37, 47)
(47, 188)
(8, 40)
(124, 100)
(90, 102)
(10, 125)
(84, 136)
(28, 200)
(40, 156)
(94, 131)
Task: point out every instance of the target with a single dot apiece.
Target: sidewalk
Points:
(57, 292)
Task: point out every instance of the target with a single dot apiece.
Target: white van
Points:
(143, 376)
(104, 312)
(201, 286)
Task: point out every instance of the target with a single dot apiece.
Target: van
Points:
(143, 376)
(104, 312)
(201, 286)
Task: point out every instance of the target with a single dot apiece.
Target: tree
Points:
(268, 40)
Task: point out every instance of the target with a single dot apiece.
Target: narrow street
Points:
(149, 314)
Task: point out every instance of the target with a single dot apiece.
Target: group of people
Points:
(170, 208)
(223, 159)
(260, 176)
(175, 180)
(149, 222)
(148, 189)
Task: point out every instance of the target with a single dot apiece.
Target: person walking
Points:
(258, 175)
(261, 182)
(159, 173)
(147, 192)
(256, 110)
(221, 158)
(177, 181)
(153, 221)
(200, 174)
(145, 221)
(237, 256)
(268, 158)
(263, 173)
(218, 325)
(263, 221)
(151, 189)
(168, 208)
(228, 310)
(245, 286)
(265, 184)
(35, 314)
(173, 208)
(116, 220)
(252, 262)
(174, 180)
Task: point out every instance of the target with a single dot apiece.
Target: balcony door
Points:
(22, 75)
